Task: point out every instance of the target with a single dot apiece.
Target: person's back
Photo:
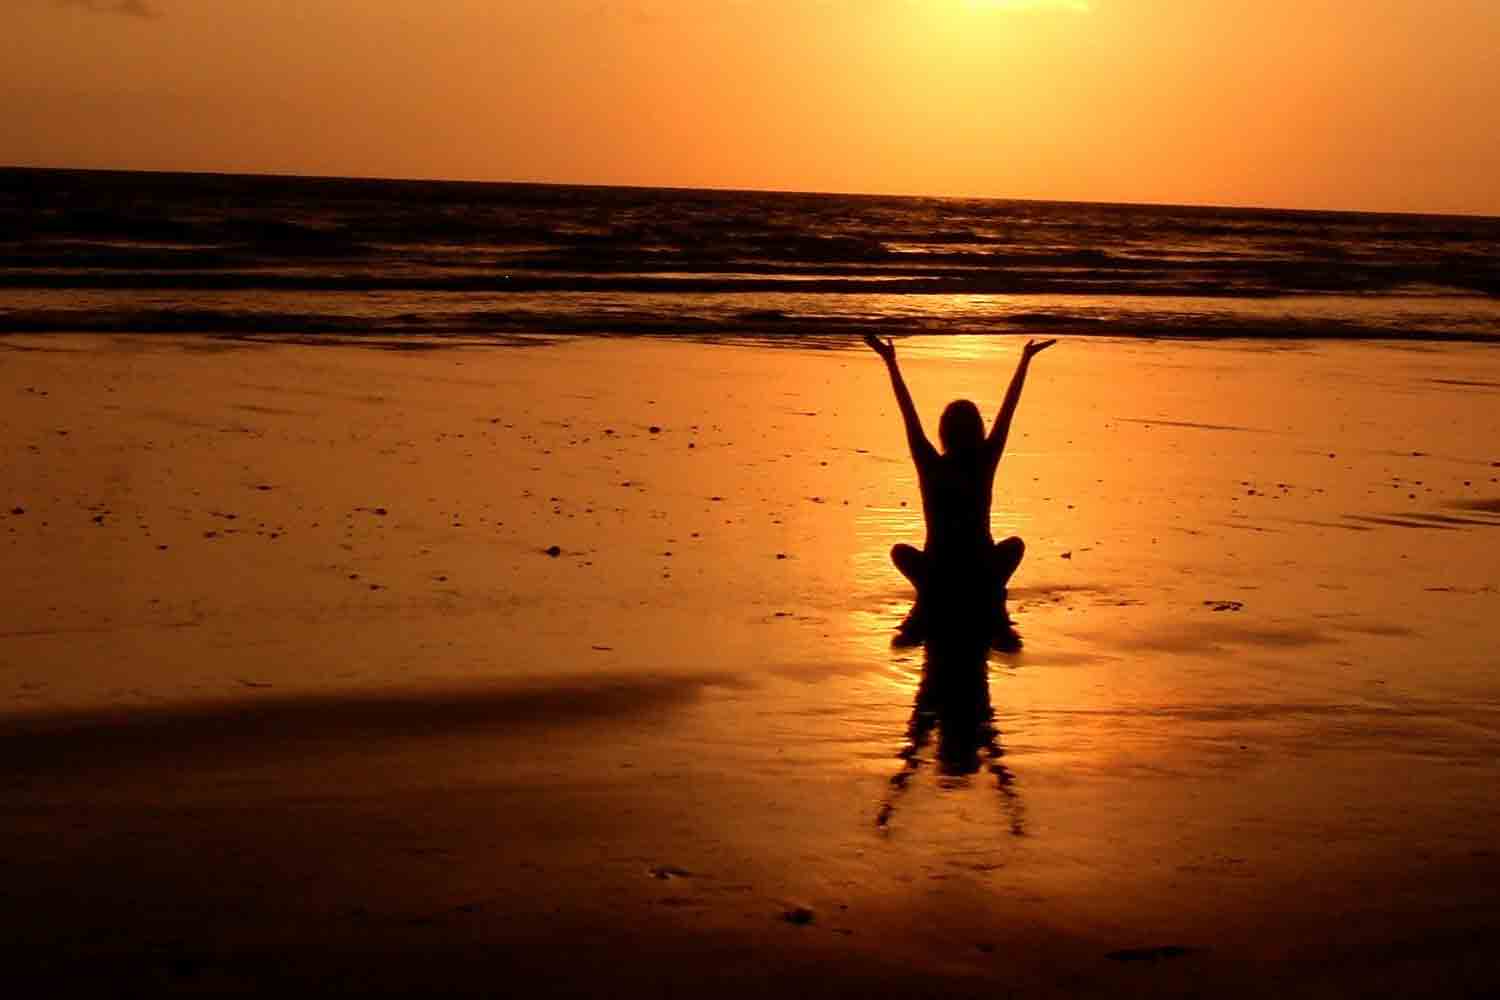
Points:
(960, 556)
(956, 496)
(957, 485)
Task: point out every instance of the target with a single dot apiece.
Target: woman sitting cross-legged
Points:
(960, 569)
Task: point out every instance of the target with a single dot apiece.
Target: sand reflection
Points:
(952, 729)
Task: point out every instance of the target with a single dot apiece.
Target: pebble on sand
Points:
(799, 915)
(554, 551)
(1150, 954)
(18, 511)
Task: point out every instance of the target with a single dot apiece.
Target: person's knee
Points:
(908, 560)
(1012, 546)
(1007, 557)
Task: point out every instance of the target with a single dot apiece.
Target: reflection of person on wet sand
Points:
(954, 699)
(960, 566)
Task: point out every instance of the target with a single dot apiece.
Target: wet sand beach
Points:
(564, 665)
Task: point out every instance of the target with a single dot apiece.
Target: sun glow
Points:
(1070, 6)
(1272, 102)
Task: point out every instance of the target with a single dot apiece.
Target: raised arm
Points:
(1001, 430)
(921, 448)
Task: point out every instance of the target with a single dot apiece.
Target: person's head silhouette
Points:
(961, 429)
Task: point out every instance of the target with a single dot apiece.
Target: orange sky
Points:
(1374, 104)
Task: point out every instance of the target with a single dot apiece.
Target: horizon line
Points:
(283, 175)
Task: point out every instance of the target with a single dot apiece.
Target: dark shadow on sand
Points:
(269, 726)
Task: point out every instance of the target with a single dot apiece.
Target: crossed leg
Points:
(1004, 558)
(912, 562)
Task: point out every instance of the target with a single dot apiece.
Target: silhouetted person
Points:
(960, 573)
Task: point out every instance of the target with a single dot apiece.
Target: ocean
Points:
(92, 251)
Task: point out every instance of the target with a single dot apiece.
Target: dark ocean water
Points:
(98, 251)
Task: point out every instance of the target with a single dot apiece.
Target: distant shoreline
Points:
(1272, 210)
